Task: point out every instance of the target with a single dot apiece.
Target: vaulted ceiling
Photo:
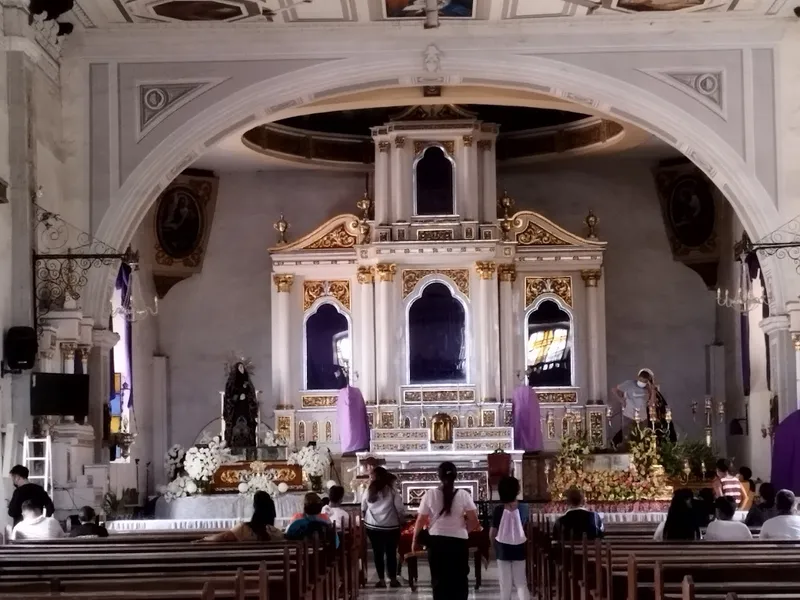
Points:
(103, 13)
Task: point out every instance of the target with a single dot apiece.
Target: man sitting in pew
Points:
(724, 528)
(765, 509)
(310, 522)
(785, 526)
(578, 520)
(35, 525)
(88, 528)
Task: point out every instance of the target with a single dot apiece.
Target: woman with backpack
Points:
(384, 515)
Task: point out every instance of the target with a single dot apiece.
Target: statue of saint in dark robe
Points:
(240, 409)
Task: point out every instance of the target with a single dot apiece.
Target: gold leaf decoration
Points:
(411, 277)
(338, 289)
(534, 235)
(318, 401)
(536, 286)
(596, 428)
(435, 235)
(557, 397)
(420, 145)
(336, 238)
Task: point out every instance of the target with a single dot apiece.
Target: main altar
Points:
(434, 301)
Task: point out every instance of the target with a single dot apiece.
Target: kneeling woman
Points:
(449, 515)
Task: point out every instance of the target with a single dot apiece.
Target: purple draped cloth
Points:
(527, 420)
(786, 454)
(351, 414)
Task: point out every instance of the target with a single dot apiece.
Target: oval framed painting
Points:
(180, 222)
(691, 211)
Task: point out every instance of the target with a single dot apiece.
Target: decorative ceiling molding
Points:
(707, 85)
(157, 100)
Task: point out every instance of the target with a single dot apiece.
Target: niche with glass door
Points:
(327, 347)
(549, 341)
(438, 349)
(434, 182)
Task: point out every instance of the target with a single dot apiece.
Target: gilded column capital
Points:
(507, 273)
(591, 277)
(283, 282)
(484, 144)
(486, 269)
(84, 350)
(366, 275)
(399, 141)
(68, 350)
(385, 272)
(467, 139)
(384, 146)
(796, 341)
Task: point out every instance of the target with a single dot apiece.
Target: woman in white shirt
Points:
(449, 515)
(724, 528)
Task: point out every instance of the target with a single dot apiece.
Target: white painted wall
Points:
(659, 314)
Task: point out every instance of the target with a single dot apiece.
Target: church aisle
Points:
(490, 587)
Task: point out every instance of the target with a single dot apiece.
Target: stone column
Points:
(83, 353)
(385, 350)
(366, 316)
(382, 192)
(400, 175)
(103, 340)
(281, 338)
(486, 354)
(489, 195)
(781, 363)
(507, 274)
(467, 205)
(68, 357)
(592, 278)
(794, 326)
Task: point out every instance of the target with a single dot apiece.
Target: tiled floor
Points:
(489, 588)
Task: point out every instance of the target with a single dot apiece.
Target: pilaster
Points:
(281, 339)
(381, 185)
(591, 279)
(794, 327)
(781, 363)
(387, 368)
(487, 341)
(366, 381)
(487, 157)
(507, 274)
(99, 369)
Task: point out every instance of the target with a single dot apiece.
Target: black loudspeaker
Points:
(20, 348)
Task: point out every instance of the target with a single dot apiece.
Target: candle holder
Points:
(281, 226)
(721, 411)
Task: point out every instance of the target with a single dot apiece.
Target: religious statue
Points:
(526, 418)
(351, 414)
(240, 408)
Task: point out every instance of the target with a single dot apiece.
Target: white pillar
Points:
(83, 353)
(103, 340)
(68, 357)
(781, 363)
(486, 346)
(489, 180)
(382, 192)
(161, 418)
(794, 326)
(507, 275)
(385, 350)
(591, 278)
(281, 338)
(399, 177)
(467, 204)
(366, 383)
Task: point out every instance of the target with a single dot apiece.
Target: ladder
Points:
(32, 459)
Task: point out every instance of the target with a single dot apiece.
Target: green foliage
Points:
(675, 454)
(643, 447)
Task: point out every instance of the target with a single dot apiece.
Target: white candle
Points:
(222, 414)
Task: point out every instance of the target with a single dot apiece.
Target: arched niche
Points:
(434, 182)
(438, 345)
(327, 346)
(549, 343)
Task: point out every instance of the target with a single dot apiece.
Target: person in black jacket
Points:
(25, 490)
(88, 527)
(578, 520)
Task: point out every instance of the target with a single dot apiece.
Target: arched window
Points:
(437, 348)
(434, 183)
(548, 345)
(327, 348)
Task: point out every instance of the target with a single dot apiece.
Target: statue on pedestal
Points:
(240, 408)
(351, 414)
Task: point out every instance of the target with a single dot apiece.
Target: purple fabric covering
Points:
(527, 420)
(351, 413)
(786, 454)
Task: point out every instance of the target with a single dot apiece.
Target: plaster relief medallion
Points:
(180, 222)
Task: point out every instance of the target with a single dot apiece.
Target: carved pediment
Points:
(532, 229)
(435, 112)
(339, 233)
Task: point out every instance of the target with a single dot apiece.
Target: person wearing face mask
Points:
(636, 398)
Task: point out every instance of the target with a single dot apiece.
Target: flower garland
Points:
(173, 461)
(201, 463)
(310, 459)
(179, 488)
(263, 482)
(273, 439)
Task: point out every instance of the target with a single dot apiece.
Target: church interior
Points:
(284, 246)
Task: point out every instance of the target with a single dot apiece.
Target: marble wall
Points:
(659, 313)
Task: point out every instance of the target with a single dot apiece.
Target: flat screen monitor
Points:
(60, 394)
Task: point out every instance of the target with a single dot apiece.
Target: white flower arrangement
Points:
(173, 461)
(310, 459)
(200, 464)
(180, 487)
(263, 482)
